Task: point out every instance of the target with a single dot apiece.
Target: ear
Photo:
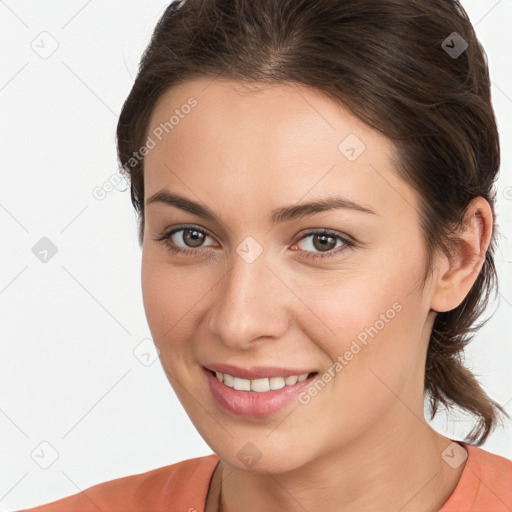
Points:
(456, 275)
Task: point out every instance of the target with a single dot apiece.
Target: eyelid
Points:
(300, 236)
(325, 231)
(167, 233)
(348, 241)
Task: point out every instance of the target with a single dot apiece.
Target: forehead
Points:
(274, 144)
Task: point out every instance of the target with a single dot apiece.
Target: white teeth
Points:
(260, 385)
(242, 384)
(276, 383)
(290, 381)
(229, 380)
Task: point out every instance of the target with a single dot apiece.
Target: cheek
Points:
(370, 319)
(162, 293)
(348, 302)
(172, 296)
(156, 303)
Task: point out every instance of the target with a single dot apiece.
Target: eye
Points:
(193, 240)
(191, 237)
(325, 241)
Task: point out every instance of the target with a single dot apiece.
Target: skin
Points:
(362, 444)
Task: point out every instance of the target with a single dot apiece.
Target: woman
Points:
(314, 182)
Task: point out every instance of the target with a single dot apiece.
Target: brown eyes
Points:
(192, 237)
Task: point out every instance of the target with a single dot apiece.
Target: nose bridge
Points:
(248, 305)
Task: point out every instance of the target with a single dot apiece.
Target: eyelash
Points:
(166, 238)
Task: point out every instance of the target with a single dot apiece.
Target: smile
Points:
(259, 385)
(256, 397)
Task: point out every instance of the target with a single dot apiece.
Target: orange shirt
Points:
(485, 486)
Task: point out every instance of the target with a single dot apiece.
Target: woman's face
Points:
(259, 284)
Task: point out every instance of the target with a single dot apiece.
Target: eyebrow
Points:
(277, 216)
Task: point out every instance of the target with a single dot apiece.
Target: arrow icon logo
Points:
(249, 249)
(44, 250)
(351, 147)
(454, 455)
(249, 454)
(454, 45)
(146, 352)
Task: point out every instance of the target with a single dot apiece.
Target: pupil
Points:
(196, 237)
(324, 244)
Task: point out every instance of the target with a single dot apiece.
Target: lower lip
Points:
(252, 404)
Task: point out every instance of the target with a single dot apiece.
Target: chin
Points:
(262, 456)
(273, 465)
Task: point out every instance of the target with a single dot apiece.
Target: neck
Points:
(396, 466)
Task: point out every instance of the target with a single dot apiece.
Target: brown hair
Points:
(389, 61)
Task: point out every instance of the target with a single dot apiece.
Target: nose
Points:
(250, 303)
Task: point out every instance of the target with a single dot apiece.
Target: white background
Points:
(69, 327)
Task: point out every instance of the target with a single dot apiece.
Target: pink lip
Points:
(255, 372)
(251, 404)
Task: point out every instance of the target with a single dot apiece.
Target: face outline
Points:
(284, 309)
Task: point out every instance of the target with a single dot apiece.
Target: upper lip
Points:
(255, 372)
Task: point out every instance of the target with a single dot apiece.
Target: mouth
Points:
(258, 397)
(260, 384)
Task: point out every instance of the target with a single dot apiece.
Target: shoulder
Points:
(489, 461)
(485, 484)
(494, 473)
(180, 486)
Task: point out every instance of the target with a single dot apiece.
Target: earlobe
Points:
(456, 275)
